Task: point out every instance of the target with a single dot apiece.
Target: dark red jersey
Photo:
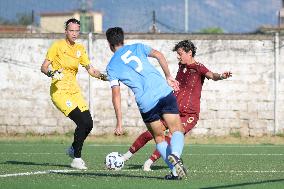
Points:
(191, 78)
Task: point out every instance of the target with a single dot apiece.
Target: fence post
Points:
(91, 57)
(276, 80)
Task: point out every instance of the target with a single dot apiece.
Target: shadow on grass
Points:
(115, 175)
(245, 184)
(33, 163)
(136, 166)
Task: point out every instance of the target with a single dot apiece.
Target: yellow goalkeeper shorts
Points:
(66, 102)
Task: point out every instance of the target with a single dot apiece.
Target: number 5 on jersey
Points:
(127, 57)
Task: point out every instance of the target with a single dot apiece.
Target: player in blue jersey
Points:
(153, 95)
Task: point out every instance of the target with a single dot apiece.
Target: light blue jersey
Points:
(131, 66)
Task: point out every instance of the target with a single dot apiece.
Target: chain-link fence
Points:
(141, 16)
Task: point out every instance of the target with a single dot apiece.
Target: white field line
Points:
(204, 146)
(30, 153)
(234, 154)
(187, 145)
(135, 170)
(187, 154)
(236, 171)
(36, 173)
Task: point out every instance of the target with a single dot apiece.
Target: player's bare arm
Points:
(56, 74)
(164, 65)
(116, 101)
(44, 66)
(95, 73)
(217, 76)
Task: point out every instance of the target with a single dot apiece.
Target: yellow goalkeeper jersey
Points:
(66, 93)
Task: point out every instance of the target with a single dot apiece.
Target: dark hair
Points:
(186, 45)
(71, 20)
(115, 36)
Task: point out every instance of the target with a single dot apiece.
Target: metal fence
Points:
(144, 16)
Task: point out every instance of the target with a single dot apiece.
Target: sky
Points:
(233, 16)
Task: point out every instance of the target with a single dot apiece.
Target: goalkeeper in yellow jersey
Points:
(61, 64)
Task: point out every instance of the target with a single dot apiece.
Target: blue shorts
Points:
(166, 105)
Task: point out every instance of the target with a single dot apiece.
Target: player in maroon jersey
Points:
(190, 75)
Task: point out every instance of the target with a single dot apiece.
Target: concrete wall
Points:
(244, 104)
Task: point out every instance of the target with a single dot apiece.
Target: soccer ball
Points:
(114, 161)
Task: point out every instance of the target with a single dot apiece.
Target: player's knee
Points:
(88, 124)
(182, 130)
(159, 138)
(87, 121)
(177, 128)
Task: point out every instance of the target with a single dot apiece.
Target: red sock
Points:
(156, 155)
(140, 141)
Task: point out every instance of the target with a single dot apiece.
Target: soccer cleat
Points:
(177, 163)
(70, 152)
(78, 163)
(172, 177)
(147, 165)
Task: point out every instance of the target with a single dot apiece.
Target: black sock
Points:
(84, 124)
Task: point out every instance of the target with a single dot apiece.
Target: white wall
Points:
(242, 104)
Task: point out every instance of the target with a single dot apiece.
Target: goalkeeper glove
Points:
(57, 74)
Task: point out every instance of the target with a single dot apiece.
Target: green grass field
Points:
(28, 163)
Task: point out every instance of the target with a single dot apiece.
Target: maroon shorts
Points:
(189, 121)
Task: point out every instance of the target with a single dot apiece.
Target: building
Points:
(279, 27)
(14, 29)
(54, 22)
(281, 15)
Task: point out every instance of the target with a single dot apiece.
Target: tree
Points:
(212, 30)
(4, 21)
(24, 19)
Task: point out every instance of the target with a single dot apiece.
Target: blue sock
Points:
(165, 150)
(177, 143)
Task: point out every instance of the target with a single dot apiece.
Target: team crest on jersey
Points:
(69, 103)
(78, 54)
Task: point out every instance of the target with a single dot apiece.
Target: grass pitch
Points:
(42, 163)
